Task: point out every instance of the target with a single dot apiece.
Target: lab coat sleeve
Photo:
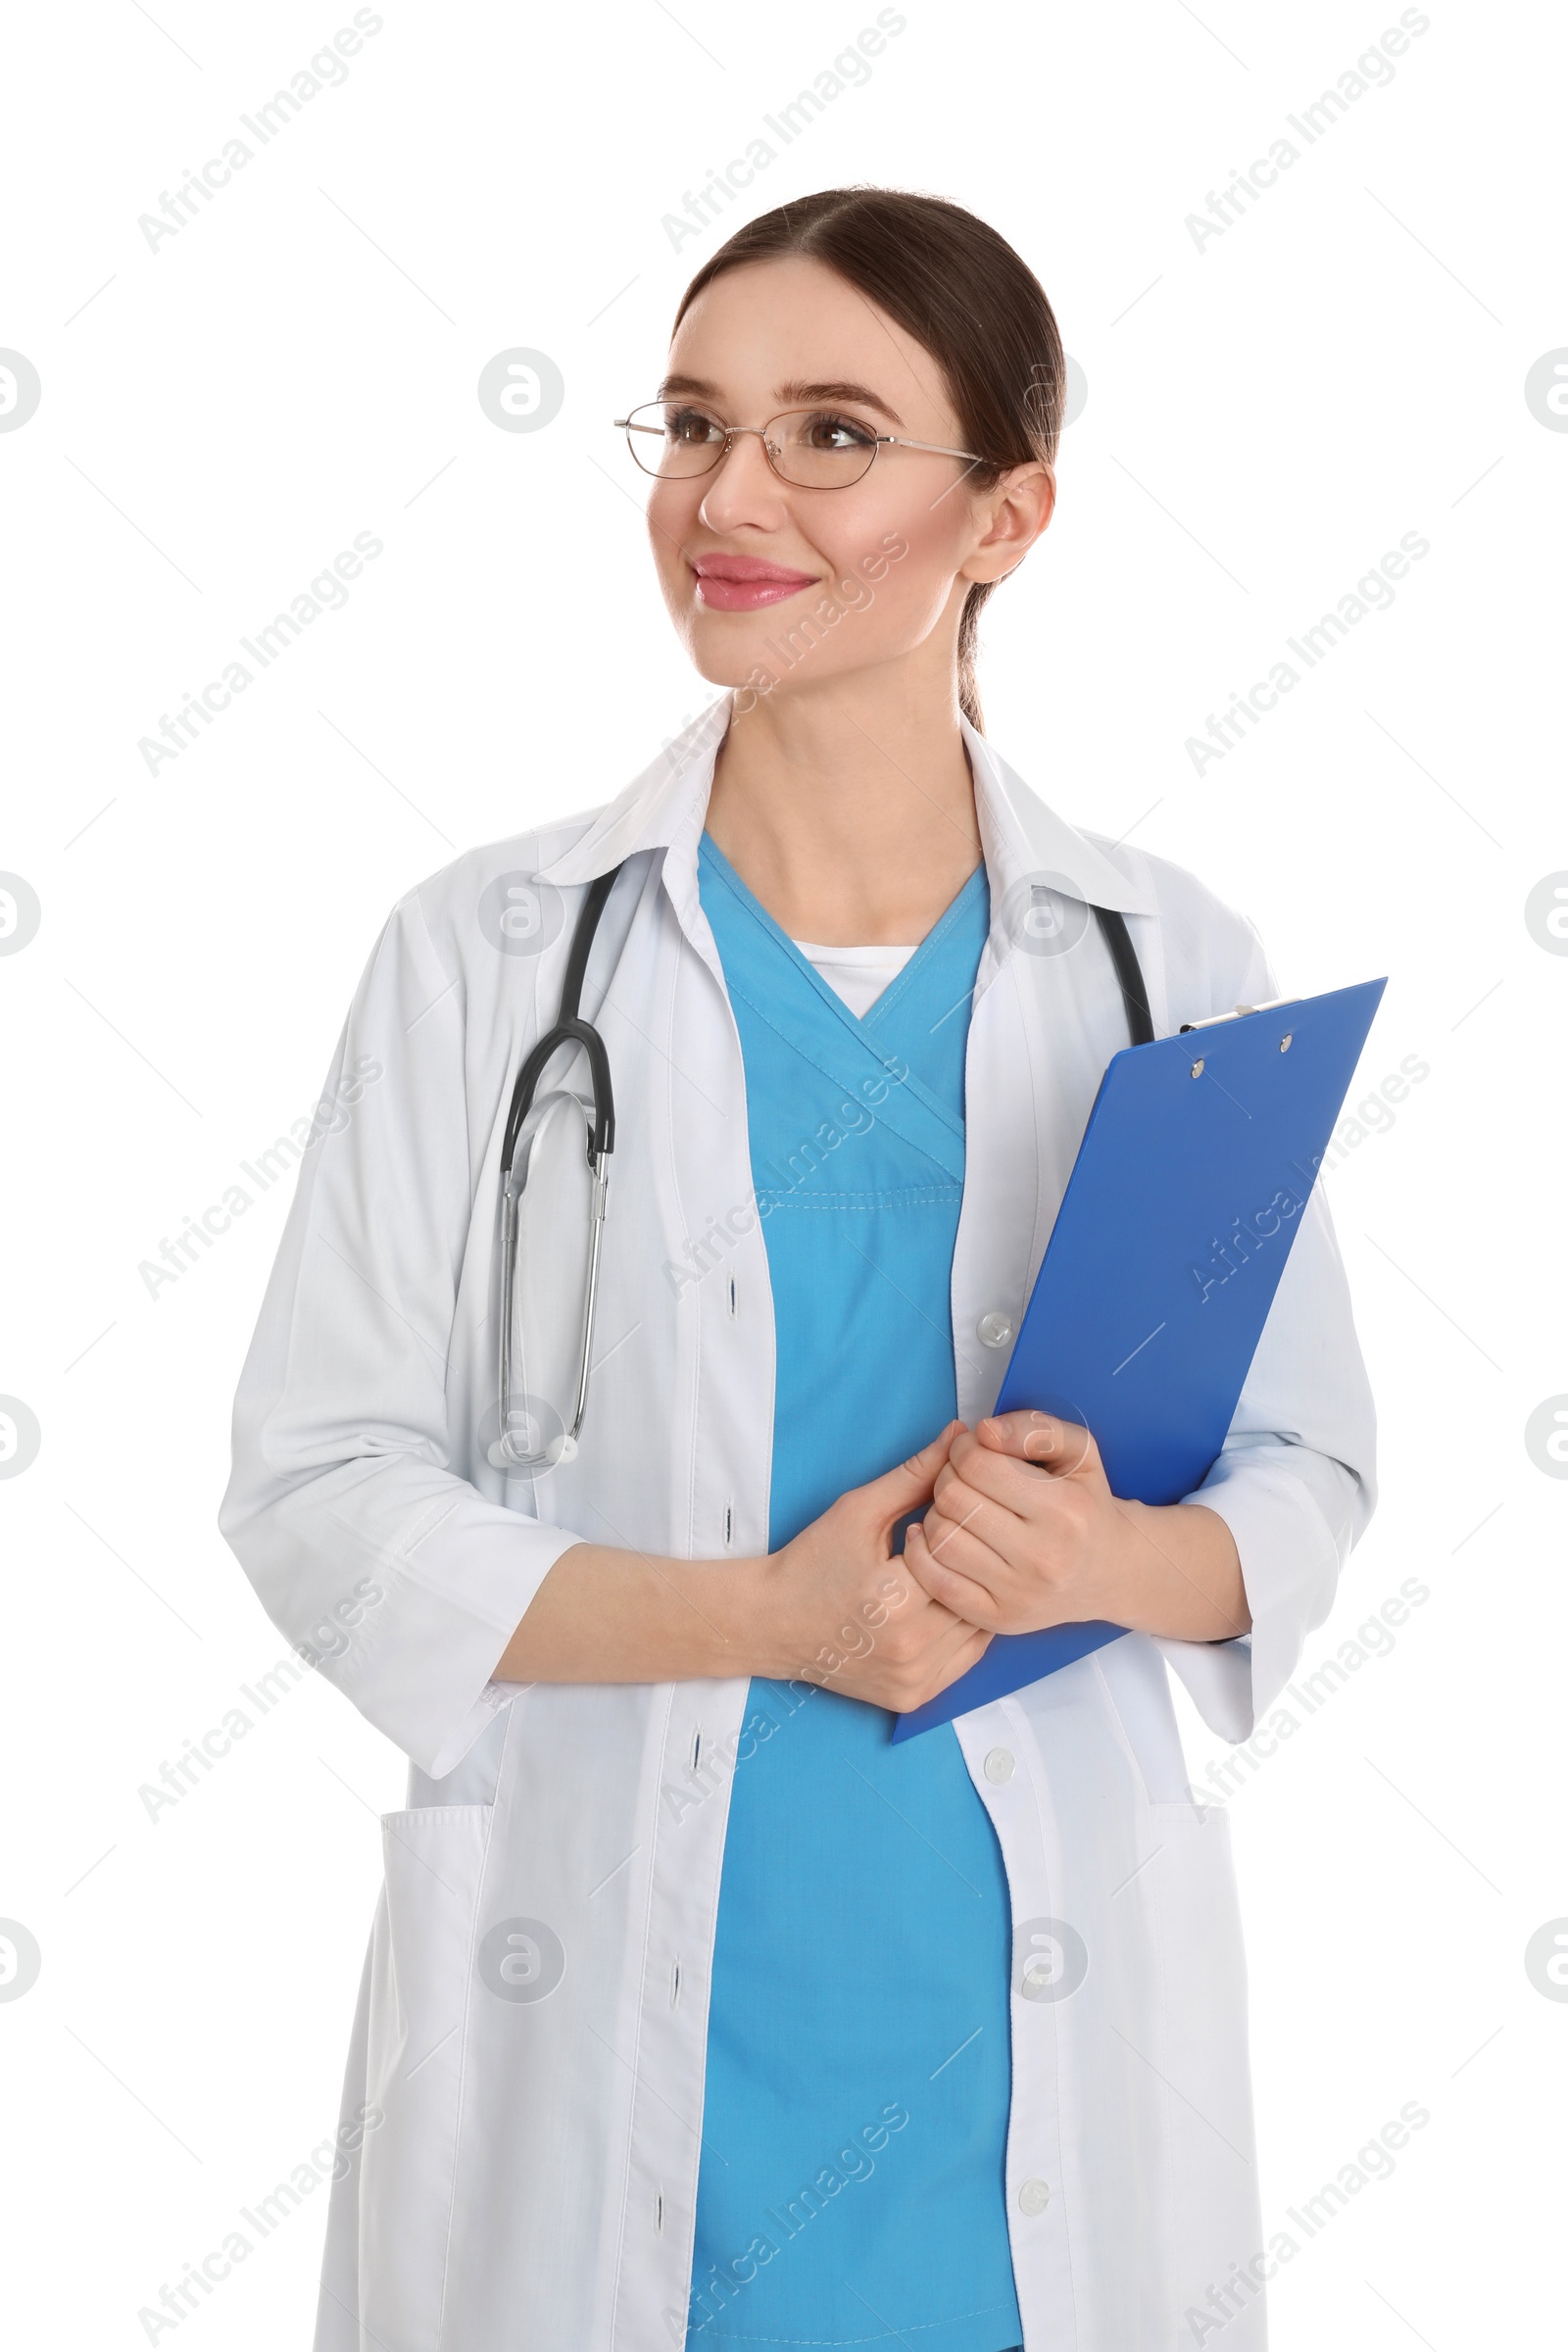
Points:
(375, 1559)
(1296, 1480)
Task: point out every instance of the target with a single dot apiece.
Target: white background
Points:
(1266, 415)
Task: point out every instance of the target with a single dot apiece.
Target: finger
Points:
(942, 1668)
(956, 1654)
(982, 1549)
(969, 1654)
(963, 1595)
(1049, 1442)
(911, 1484)
(957, 1505)
(965, 1547)
(931, 1614)
(966, 1567)
(998, 1479)
(949, 1633)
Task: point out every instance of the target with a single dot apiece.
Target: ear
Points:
(1012, 515)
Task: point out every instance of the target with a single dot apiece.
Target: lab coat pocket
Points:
(1213, 2210)
(421, 1986)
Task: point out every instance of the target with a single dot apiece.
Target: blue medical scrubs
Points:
(855, 2123)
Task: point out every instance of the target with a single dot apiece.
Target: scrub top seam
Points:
(923, 1196)
(848, 2344)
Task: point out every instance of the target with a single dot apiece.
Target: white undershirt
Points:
(856, 974)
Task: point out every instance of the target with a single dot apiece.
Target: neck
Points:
(849, 810)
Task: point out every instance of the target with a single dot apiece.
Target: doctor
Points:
(695, 2012)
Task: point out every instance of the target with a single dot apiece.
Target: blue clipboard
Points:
(1187, 1190)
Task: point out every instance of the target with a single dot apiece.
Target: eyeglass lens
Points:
(816, 448)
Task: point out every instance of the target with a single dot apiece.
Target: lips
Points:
(745, 583)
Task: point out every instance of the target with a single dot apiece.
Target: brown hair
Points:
(950, 280)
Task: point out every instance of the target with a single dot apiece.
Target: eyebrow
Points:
(792, 393)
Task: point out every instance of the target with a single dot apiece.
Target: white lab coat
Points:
(528, 2169)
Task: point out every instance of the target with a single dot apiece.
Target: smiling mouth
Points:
(743, 583)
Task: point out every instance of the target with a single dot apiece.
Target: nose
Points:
(743, 488)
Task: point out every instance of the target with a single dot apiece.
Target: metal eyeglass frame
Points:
(628, 425)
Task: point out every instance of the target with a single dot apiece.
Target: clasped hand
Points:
(1022, 1532)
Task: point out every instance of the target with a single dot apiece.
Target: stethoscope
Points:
(599, 1135)
(599, 1138)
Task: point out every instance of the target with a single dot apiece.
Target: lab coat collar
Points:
(1024, 841)
(666, 806)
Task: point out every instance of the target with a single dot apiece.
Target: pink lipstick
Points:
(745, 583)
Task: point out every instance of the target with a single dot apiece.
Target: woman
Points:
(696, 2012)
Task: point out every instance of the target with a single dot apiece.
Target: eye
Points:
(692, 428)
(823, 428)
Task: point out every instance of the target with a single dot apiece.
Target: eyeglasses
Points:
(811, 449)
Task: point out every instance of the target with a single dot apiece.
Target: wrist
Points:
(737, 1610)
(1133, 1556)
(779, 1634)
(1178, 1574)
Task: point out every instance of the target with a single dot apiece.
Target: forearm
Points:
(609, 1616)
(833, 1607)
(1178, 1573)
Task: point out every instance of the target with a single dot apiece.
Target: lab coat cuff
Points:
(426, 1678)
(1290, 1567)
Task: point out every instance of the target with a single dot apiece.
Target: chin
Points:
(728, 664)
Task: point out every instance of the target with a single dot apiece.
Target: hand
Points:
(845, 1610)
(1025, 1532)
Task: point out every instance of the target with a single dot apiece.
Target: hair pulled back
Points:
(956, 286)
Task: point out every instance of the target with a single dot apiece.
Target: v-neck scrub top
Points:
(855, 2123)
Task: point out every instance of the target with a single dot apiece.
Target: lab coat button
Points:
(1033, 2197)
(999, 1764)
(996, 1329)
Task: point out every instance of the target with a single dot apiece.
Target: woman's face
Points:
(839, 579)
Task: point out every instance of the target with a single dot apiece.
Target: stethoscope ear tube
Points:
(1129, 975)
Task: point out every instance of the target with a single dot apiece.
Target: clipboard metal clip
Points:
(1235, 1013)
